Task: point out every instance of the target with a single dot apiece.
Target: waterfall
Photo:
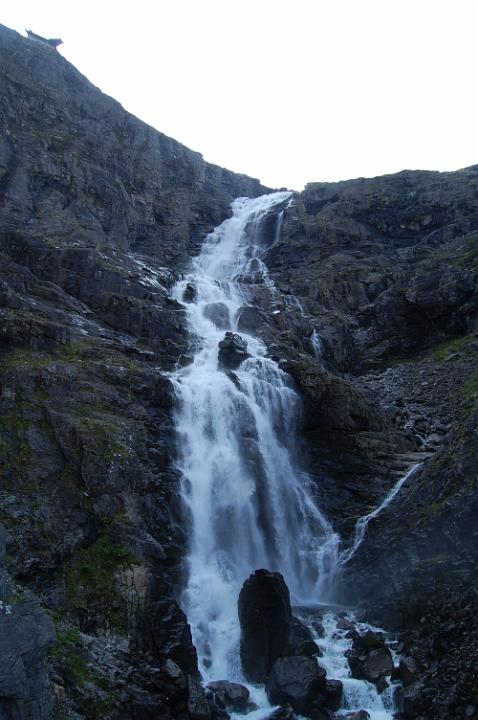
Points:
(362, 523)
(250, 502)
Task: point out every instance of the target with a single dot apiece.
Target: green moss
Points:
(89, 580)
(25, 358)
(440, 353)
(469, 389)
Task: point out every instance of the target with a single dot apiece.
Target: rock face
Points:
(267, 629)
(26, 632)
(57, 181)
(97, 212)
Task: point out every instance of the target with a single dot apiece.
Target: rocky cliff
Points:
(387, 270)
(98, 214)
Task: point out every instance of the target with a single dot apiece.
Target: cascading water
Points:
(250, 503)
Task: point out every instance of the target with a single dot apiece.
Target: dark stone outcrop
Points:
(230, 695)
(296, 681)
(232, 351)
(370, 658)
(267, 629)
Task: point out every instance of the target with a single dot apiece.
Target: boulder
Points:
(232, 351)
(303, 642)
(407, 671)
(217, 313)
(296, 681)
(333, 691)
(190, 293)
(369, 664)
(369, 640)
(230, 695)
(358, 715)
(267, 629)
(370, 659)
(318, 627)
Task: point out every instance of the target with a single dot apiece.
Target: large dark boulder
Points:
(230, 695)
(333, 692)
(232, 351)
(267, 629)
(296, 681)
(369, 657)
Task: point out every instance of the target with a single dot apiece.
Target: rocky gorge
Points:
(365, 294)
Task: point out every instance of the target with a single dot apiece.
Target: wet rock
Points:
(369, 658)
(266, 622)
(217, 313)
(413, 700)
(359, 715)
(333, 692)
(303, 642)
(230, 695)
(381, 684)
(232, 351)
(318, 627)
(286, 712)
(345, 624)
(171, 634)
(234, 379)
(407, 671)
(369, 640)
(251, 319)
(190, 293)
(295, 681)
(198, 705)
(185, 360)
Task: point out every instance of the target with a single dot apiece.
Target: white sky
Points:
(288, 91)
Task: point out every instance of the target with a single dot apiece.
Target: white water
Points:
(357, 694)
(251, 505)
(362, 523)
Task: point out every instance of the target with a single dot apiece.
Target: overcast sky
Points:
(288, 91)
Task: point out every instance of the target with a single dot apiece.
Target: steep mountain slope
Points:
(98, 215)
(93, 205)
